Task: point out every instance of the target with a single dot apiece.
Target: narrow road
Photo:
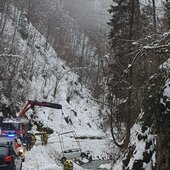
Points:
(95, 164)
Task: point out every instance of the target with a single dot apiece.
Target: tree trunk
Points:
(16, 20)
(154, 16)
(4, 19)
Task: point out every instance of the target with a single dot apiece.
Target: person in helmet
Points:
(28, 141)
(68, 165)
(33, 140)
(44, 138)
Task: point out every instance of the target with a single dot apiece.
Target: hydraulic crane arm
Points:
(31, 104)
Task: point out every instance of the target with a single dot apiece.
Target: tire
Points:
(63, 159)
(90, 158)
(13, 168)
(23, 160)
(83, 155)
(21, 166)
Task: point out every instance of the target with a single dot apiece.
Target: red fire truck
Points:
(20, 125)
(16, 126)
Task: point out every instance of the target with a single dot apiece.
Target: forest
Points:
(118, 48)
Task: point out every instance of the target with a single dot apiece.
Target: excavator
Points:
(19, 125)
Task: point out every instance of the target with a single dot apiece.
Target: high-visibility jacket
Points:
(68, 165)
(33, 139)
(45, 136)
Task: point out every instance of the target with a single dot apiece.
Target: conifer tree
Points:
(166, 19)
(124, 32)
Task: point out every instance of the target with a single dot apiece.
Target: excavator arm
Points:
(31, 104)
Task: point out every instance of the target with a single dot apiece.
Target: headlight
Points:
(21, 150)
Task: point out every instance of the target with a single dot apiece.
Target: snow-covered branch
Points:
(10, 55)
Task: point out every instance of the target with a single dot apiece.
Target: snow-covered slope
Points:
(141, 151)
(52, 81)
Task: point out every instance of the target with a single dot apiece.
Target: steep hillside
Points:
(47, 78)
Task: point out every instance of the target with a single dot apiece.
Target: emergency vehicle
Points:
(19, 125)
(16, 126)
(16, 143)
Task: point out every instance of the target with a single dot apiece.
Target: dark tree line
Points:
(133, 27)
(128, 64)
(120, 77)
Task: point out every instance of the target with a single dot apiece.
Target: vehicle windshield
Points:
(71, 150)
(3, 150)
(4, 139)
(10, 126)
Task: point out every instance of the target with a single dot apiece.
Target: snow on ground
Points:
(105, 166)
(53, 81)
(139, 146)
(38, 158)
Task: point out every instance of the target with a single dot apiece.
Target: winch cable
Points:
(71, 131)
(60, 135)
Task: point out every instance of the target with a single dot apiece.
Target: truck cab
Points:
(17, 126)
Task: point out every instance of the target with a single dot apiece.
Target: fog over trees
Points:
(116, 47)
(77, 30)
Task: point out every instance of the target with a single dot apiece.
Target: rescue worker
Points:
(44, 138)
(33, 140)
(28, 141)
(24, 138)
(68, 165)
